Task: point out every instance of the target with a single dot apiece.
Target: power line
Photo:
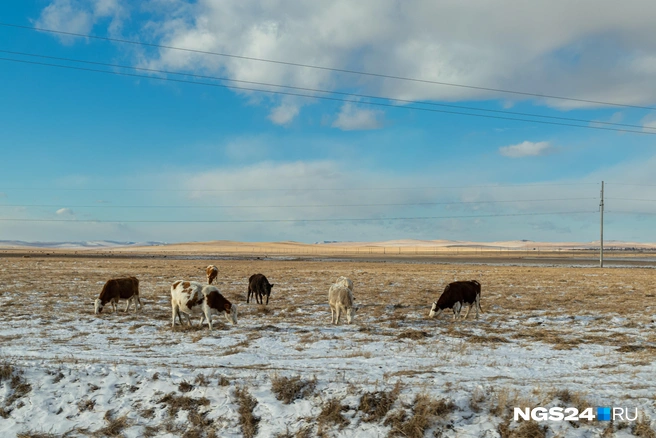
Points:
(628, 199)
(338, 70)
(632, 212)
(296, 189)
(288, 206)
(635, 185)
(315, 90)
(335, 99)
(380, 219)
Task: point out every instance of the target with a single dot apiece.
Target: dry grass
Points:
(413, 334)
(201, 380)
(185, 386)
(114, 427)
(246, 404)
(376, 405)
(30, 434)
(176, 403)
(288, 389)
(86, 404)
(526, 429)
(642, 428)
(331, 415)
(425, 412)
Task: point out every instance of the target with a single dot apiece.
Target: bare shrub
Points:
(86, 405)
(642, 428)
(6, 371)
(375, 405)
(413, 334)
(249, 423)
(30, 434)
(425, 411)
(331, 414)
(201, 380)
(176, 403)
(114, 427)
(288, 389)
(223, 381)
(477, 397)
(185, 386)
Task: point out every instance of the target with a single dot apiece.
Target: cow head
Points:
(231, 313)
(350, 314)
(433, 310)
(98, 306)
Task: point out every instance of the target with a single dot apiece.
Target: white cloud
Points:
(283, 114)
(649, 124)
(65, 212)
(79, 16)
(551, 48)
(357, 119)
(526, 149)
(544, 47)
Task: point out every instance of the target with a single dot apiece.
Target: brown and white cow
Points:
(191, 297)
(258, 285)
(212, 272)
(118, 289)
(456, 295)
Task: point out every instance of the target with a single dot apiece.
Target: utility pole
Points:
(601, 240)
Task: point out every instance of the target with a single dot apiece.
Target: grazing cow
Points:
(118, 289)
(456, 295)
(346, 282)
(191, 297)
(258, 285)
(212, 273)
(340, 298)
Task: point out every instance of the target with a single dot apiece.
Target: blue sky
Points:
(82, 146)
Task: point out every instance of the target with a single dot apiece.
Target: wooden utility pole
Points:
(601, 239)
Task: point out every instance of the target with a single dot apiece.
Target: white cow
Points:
(346, 282)
(340, 298)
(191, 297)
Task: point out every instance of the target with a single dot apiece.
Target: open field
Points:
(551, 335)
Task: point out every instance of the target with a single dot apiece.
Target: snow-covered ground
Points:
(86, 371)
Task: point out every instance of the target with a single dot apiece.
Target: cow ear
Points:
(272, 285)
(226, 306)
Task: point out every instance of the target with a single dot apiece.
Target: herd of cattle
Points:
(194, 298)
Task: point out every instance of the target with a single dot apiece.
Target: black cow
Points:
(456, 295)
(258, 285)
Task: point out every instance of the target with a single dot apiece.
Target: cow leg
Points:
(338, 311)
(209, 319)
(332, 315)
(468, 310)
(248, 295)
(140, 305)
(174, 313)
(267, 299)
(127, 305)
(478, 304)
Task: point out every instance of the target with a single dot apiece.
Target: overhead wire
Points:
(294, 189)
(316, 90)
(335, 99)
(380, 219)
(337, 70)
(290, 206)
(387, 105)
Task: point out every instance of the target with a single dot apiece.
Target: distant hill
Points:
(88, 244)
